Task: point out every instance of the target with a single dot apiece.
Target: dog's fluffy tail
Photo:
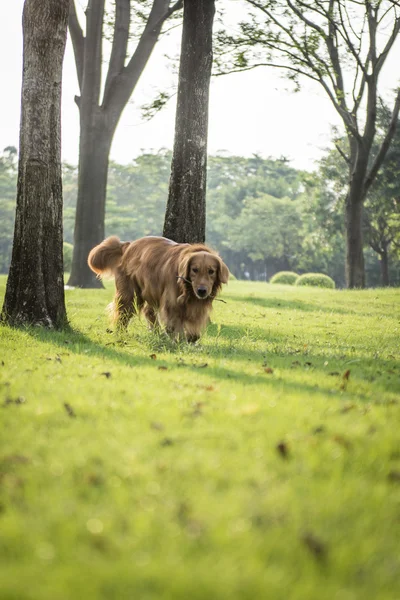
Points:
(106, 257)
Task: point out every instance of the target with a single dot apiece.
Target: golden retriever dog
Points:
(172, 284)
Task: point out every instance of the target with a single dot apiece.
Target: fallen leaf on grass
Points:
(106, 374)
(268, 370)
(282, 449)
(166, 442)
(18, 401)
(162, 368)
(153, 356)
(394, 476)
(342, 441)
(319, 429)
(203, 366)
(346, 376)
(157, 426)
(316, 546)
(69, 409)
(347, 407)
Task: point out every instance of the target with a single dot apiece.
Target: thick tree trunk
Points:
(94, 149)
(384, 268)
(355, 271)
(185, 217)
(35, 287)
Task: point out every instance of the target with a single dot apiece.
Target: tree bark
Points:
(35, 286)
(185, 218)
(94, 150)
(355, 272)
(99, 120)
(384, 268)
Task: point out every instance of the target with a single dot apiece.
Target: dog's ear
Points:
(183, 274)
(223, 271)
(184, 266)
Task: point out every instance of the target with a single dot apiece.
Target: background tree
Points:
(185, 218)
(8, 185)
(35, 286)
(336, 43)
(100, 108)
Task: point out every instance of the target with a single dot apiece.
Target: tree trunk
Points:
(185, 218)
(98, 122)
(384, 267)
(35, 286)
(355, 272)
(94, 150)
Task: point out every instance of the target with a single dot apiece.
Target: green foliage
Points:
(316, 280)
(263, 216)
(132, 467)
(67, 256)
(285, 277)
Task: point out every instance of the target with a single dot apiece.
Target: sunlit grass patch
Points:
(262, 462)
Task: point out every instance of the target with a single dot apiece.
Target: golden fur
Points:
(172, 284)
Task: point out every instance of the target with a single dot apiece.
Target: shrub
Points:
(67, 253)
(286, 277)
(316, 280)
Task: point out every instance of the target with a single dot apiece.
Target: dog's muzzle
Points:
(201, 291)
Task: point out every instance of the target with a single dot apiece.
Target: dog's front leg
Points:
(192, 337)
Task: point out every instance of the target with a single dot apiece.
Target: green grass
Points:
(247, 466)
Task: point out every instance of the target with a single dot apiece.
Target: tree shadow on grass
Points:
(117, 350)
(300, 305)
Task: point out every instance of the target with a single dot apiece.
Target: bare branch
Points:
(342, 154)
(123, 84)
(120, 42)
(93, 50)
(385, 144)
(78, 41)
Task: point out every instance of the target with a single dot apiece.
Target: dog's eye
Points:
(195, 270)
(211, 271)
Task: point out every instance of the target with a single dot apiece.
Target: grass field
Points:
(261, 463)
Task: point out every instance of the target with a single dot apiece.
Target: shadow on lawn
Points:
(281, 304)
(78, 343)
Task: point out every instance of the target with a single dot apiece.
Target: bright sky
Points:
(249, 112)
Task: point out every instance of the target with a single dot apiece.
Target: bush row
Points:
(311, 279)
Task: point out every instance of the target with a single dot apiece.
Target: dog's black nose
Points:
(202, 291)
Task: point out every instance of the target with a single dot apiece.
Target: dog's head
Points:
(203, 273)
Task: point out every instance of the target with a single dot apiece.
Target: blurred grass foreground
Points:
(260, 463)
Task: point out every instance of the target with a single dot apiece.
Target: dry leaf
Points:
(69, 409)
(282, 449)
(315, 545)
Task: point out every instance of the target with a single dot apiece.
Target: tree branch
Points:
(385, 144)
(123, 84)
(120, 42)
(78, 41)
(93, 50)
